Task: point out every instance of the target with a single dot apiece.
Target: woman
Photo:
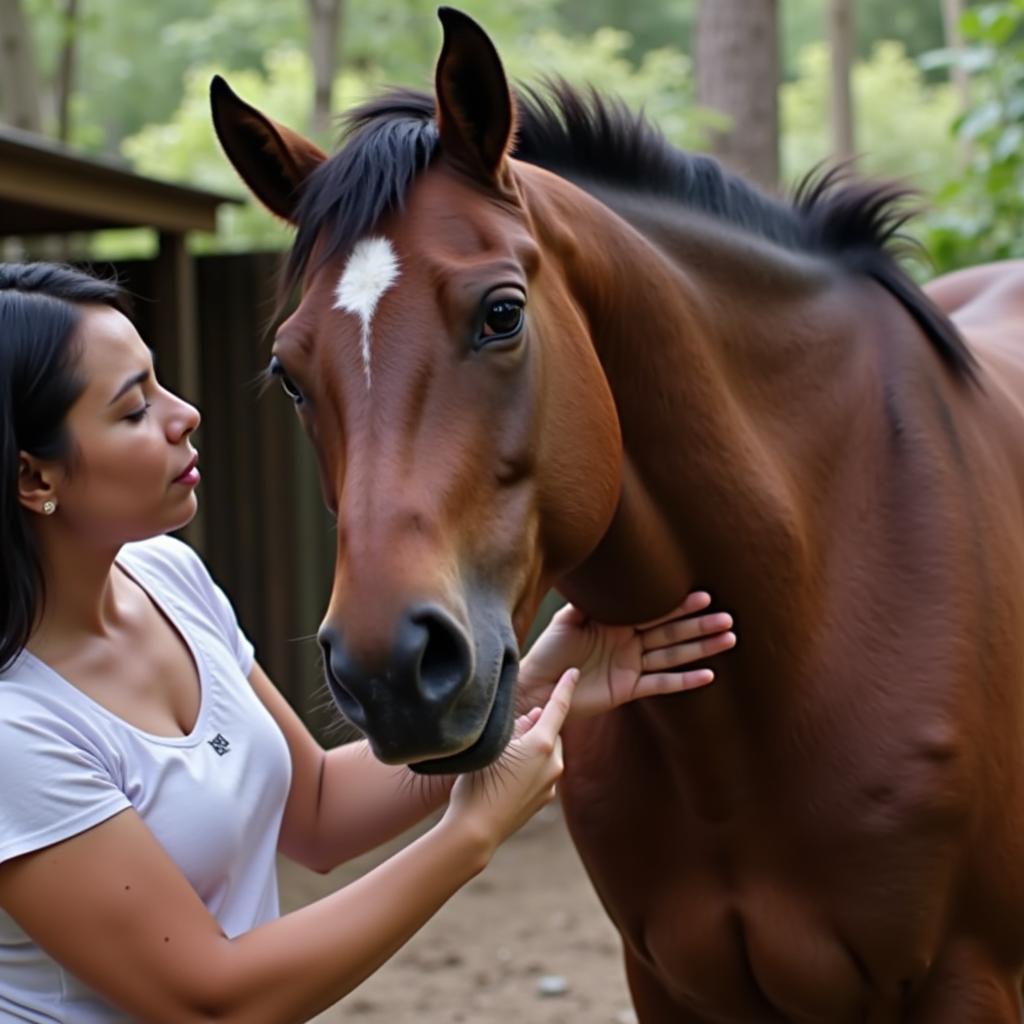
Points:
(150, 768)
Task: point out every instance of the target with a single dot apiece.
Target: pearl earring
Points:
(49, 507)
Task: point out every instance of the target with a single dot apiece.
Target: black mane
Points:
(585, 136)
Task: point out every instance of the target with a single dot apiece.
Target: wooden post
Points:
(175, 334)
(19, 75)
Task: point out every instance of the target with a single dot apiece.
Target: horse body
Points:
(790, 844)
(832, 832)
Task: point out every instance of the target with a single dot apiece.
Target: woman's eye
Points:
(287, 384)
(139, 415)
(504, 318)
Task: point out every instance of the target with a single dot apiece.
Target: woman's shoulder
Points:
(39, 710)
(163, 549)
(168, 560)
(170, 568)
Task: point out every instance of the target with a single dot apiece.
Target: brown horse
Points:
(538, 346)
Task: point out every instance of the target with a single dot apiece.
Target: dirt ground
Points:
(526, 942)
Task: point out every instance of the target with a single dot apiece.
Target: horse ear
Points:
(475, 114)
(271, 159)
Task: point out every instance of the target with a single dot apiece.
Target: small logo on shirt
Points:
(219, 744)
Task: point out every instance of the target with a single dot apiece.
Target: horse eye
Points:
(504, 318)
(287, 384)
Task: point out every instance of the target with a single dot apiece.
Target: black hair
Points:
(40, 308)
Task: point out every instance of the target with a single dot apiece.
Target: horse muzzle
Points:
(436, 700)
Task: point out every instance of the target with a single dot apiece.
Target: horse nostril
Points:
(445, 661)
(425, 669)
(337, 666)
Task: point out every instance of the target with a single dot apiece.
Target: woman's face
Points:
(131, 474)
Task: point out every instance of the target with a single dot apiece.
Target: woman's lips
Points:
(190, 477)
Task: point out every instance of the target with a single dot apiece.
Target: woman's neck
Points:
(83, 601)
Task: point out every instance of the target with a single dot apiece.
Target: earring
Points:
(49, 507)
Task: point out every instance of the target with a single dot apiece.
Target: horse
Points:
(537, 347)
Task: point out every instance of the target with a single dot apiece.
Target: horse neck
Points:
(735, 378)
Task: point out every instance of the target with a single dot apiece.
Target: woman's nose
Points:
(183, 420)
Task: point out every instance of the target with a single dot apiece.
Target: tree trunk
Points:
(66, 70)
(19, 76)
(952, 11)
(324, 24)
(840, 34)
(737, 63)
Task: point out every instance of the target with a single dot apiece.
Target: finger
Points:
(521, 726)
(528, 720)
(555, 711)
(693, 602)
(569, 615)
(661, 683)
(677, 631)
(684, 654)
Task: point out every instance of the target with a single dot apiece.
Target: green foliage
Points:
(649, 25)
(132, 57)
(916, 24)
(185, 149)
(981, 216)
(143, 71)
(902, 122)
(660, 84)
(399, 40)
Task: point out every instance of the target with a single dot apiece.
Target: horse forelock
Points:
(595, 140)
(385, 144)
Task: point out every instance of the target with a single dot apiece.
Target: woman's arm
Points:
(114, 910)
(343, 802)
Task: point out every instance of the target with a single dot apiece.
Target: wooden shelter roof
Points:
(47, 188)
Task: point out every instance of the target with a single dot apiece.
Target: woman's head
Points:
(90, 444)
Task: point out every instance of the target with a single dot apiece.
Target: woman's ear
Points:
(35, 484)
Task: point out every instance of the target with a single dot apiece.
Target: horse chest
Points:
(782, 913)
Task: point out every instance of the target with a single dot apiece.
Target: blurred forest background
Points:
(931, 91)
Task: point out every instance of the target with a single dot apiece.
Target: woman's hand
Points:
(494, 803)
(622, 663)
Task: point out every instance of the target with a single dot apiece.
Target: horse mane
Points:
(590, 138)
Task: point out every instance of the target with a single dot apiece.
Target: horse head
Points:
(466, 437)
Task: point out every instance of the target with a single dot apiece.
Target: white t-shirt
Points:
(214, 798)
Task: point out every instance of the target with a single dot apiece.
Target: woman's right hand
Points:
(132, 927)
(493, 803)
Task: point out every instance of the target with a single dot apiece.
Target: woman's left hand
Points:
(622, 663)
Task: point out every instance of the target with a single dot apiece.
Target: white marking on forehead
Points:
(372, 268)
